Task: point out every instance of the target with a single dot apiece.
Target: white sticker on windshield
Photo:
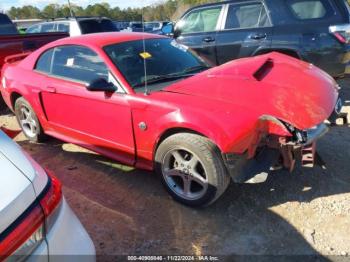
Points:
(70, 62)
(179, 46)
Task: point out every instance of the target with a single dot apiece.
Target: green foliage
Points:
(164, 10)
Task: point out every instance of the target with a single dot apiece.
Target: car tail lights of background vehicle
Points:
(28, 231)
(341, 32)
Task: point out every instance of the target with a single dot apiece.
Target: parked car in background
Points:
(155, 25)
(11, 42)
(137, 27)
(6, 26)
(35, 219)
(121, 25)
(23, 24)
(75, 26)
(194, 125)
(316, 31)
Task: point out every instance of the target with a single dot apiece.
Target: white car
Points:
(36, 222)
(75, 26)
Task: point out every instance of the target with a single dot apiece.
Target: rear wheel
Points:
(191, 169)
(28, 121)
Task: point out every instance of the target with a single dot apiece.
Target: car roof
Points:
(220, 3)
(104, 39)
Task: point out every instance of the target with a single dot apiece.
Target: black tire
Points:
(33, 134)
(174, 175)
(2, 104)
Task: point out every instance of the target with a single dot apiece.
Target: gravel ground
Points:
(126, 211)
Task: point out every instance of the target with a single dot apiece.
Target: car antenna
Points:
(144, 51)
(70, 9)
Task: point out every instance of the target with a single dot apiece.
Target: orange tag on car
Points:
(145, 55)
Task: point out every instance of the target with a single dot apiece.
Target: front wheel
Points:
(191, 169)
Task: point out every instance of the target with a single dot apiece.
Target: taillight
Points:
(52, 197)
(28, 231)
(20, 232)
(341, 33)
(341, 37)
(10, 133)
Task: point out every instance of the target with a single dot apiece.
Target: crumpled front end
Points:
(276, 145)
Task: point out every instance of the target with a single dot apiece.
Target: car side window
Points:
(46, 28)
(33, 29)
(309, 9)
(247, 16)
(78, 63)
(44, 62)
(63, 27)
(200, 20)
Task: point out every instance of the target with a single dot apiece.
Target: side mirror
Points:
(168, 29)
(100, 84)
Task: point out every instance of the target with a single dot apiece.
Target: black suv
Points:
(317, 31)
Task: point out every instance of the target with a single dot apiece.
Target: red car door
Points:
(97, 120)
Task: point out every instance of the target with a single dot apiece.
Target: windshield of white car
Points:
(166, 61)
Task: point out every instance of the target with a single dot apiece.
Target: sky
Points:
(7, 4)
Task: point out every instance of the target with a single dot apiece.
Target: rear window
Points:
(310, 9)
(96, 26)
(6, 26)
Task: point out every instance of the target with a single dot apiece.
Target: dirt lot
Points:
(126, 211)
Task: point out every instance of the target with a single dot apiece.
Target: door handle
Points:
(208, 39)
(50, 89)
(258, 36)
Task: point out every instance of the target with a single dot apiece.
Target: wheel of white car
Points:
(28, 121)
(191, 169)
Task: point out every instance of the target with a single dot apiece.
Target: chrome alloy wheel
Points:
(27, 122)
(184, 174)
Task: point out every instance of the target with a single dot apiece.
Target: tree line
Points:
(164, 10)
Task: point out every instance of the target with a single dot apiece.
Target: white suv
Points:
(75, 26)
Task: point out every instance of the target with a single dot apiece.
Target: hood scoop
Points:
(253, 68)
(264, 70)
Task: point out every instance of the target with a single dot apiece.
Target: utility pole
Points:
(70, 9)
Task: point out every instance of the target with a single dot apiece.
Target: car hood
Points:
(272, 84)
(20, 181)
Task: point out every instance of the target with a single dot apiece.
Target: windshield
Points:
(166, 61)
(89, 26)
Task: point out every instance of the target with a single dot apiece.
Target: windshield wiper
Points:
(195, 69)
(160, 79)
(164, 78)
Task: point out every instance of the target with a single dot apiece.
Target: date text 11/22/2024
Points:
(173, 258)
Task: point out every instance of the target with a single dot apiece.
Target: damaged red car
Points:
(147, 101)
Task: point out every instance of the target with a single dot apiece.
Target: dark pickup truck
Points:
(317, 31)
(12, 43)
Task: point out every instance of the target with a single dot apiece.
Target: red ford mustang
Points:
(147, 101)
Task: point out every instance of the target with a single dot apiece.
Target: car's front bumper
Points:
(67, 240)
(272, 151)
